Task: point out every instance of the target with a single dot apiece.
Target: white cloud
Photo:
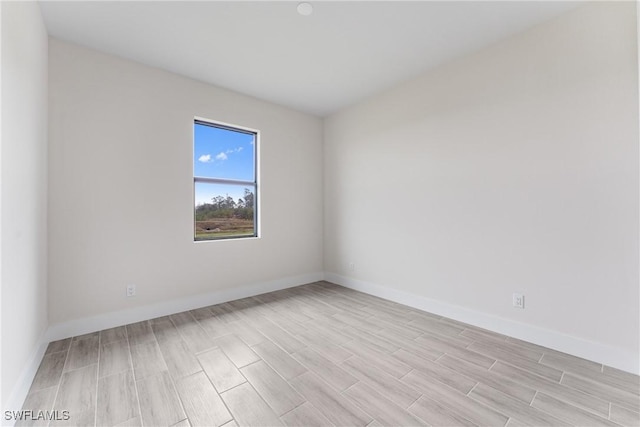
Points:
(234, 150)
(221, 156)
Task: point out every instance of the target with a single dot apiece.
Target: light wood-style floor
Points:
(321, 354)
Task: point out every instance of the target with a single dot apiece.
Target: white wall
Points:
(120, 182)
(24, 192)
(512, 169)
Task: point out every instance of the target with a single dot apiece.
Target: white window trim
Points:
(256, 197)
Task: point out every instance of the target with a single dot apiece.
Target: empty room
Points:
(323, 213)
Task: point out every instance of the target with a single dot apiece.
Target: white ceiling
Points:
(344, 52)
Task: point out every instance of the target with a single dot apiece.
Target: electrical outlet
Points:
(131, 290)
(352, 266)
(518, 300)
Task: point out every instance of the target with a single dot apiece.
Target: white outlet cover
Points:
(131, 290)
(518, 300)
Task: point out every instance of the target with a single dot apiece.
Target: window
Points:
(225, 181)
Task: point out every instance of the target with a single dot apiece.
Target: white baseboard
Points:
(20, 391)
(113, 319)
(598, 352)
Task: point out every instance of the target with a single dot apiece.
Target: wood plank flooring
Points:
(320, 354)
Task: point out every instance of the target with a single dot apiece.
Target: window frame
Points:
(207, 180)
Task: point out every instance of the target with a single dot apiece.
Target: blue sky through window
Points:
(222, 153)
